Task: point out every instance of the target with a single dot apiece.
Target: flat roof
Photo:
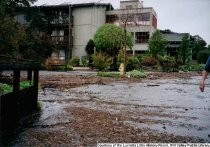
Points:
(65, 5)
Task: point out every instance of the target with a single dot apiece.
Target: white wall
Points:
(86, 21)
(134, 4)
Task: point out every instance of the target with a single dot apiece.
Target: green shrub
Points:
(149, 61)
(203, 56)
(69, 68)
(102, 61)
(108, 74)
(141, 56)
(136, 74)
(85, 62)
(5, 88)
(132, 63)
(62, 68)
(168, 63)
(75, 61)
(25, 84)
(192, 67)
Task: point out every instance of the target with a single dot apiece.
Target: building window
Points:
(141, 37)
(129, 52)
(142, 19)
(62, 54)
(129, 7)
(57, 36)
(112, 18)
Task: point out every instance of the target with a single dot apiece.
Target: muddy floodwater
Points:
(168, 106)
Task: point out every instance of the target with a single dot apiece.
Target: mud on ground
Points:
(64, 81)
(91, 126)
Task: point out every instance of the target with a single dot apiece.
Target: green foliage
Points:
(109, 74)
(38, 21)
(85, 62)
(39, 106)
(11, 34)
(25, 84)
(5, 88)
(61, 68)
(90, 47)
(102, 61)
(202, 56)
(157, 44)
(20, 41)
(11, 5)
(168, 63)
(136, 74)
(149, 61)
(75, 61)
(197, 46)
(184, 51)
(36, 47)
(2, 8)
(120, 57)
(90, 50)
(192, 67)
(132, 63)
(110, 38)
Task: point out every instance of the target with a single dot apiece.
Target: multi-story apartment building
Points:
(140, 21)
(71, 26)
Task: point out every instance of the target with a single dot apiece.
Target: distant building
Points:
(71, 26)
(140, 21)
(174, 41)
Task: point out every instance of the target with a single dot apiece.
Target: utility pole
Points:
(125, 18)
(68, 53)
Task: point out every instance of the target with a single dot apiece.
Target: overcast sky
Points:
(182, 16)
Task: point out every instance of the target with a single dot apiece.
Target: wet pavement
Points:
(170, 106)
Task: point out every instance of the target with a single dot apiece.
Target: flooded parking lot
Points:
(147, 111)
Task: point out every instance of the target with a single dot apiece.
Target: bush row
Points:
(5, 88)
(163, 63)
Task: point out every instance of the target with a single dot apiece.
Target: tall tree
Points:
(157, 44)
(11, 34)
(197, 46)
(184, 50)
(11, 5)
(21, 42)
(110, 38)
(90, 51)
(90, 47)
(36, 47)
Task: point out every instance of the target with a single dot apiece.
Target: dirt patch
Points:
(99, 126)
(89, 127)
(71, 81)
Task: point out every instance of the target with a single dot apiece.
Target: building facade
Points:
(140, 21)
(71, 26)
(174, 41)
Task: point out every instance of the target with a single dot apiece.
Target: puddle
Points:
(171, 106)
(178, 102)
